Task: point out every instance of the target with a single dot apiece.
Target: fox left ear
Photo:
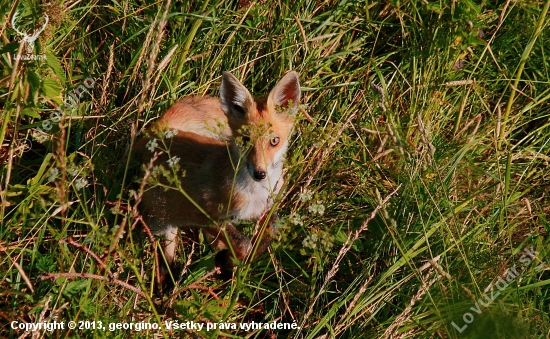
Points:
(235, 99)
(287, 90)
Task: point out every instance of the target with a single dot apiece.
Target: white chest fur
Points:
(257, 195)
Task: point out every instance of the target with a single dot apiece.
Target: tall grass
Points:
(418, 174)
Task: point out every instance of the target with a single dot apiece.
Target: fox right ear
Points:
(286, 91)
(235, 98)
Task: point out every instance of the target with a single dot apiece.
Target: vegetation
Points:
(418, 174)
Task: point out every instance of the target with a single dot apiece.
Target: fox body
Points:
(230, 153)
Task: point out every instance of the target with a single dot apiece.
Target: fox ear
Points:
(287, 90)
(235, 98)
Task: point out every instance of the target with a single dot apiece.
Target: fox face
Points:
(261, 127)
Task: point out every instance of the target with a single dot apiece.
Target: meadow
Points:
(418, 179)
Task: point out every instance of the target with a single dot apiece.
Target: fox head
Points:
(262, 125)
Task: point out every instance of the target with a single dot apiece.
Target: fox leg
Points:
(160, 224)
(233, 245)
(232, 239)
(266, 224)
(165, 257)
(169, 244)
(240, 244)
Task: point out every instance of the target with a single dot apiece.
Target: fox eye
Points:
(275, 141)
(246, 139)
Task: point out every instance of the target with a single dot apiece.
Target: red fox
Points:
(227, 175)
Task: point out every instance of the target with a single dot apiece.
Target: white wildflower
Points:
(72, 169)
(317, 208)
(318, 237)
(53, 173)
(80, 183)
(170, 133)
(326, 240)
(306, 195)
(155, 171)
(309, 242)
(279, 224)
(40, 136)
(296, 219)
(152, 144)
(173, 161)
(295, 109)
(115, 209)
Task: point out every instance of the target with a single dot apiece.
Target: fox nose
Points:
(259, 174)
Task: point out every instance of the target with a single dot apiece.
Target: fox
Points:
(230, 151)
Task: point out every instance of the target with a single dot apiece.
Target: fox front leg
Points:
(266, 232)
(242, 246)
(232, 245)
(169, 244)
(166, 255)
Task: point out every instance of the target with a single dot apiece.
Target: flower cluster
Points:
(152, 144)
(173, 161)
(306, 195)
(40, 136)
(52, 174)
(170, 133)
(80, 183)
(318, 239)
(296, 219)
(317, 208)
(74, 171)
(310, 241)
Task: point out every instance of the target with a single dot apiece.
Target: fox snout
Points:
(260, 160)
(257, 173)
(264, 158)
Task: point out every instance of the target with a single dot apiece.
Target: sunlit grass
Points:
(446, 105)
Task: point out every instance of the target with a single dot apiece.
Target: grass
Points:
(418, 174)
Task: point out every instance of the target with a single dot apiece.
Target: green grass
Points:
(465, 151)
